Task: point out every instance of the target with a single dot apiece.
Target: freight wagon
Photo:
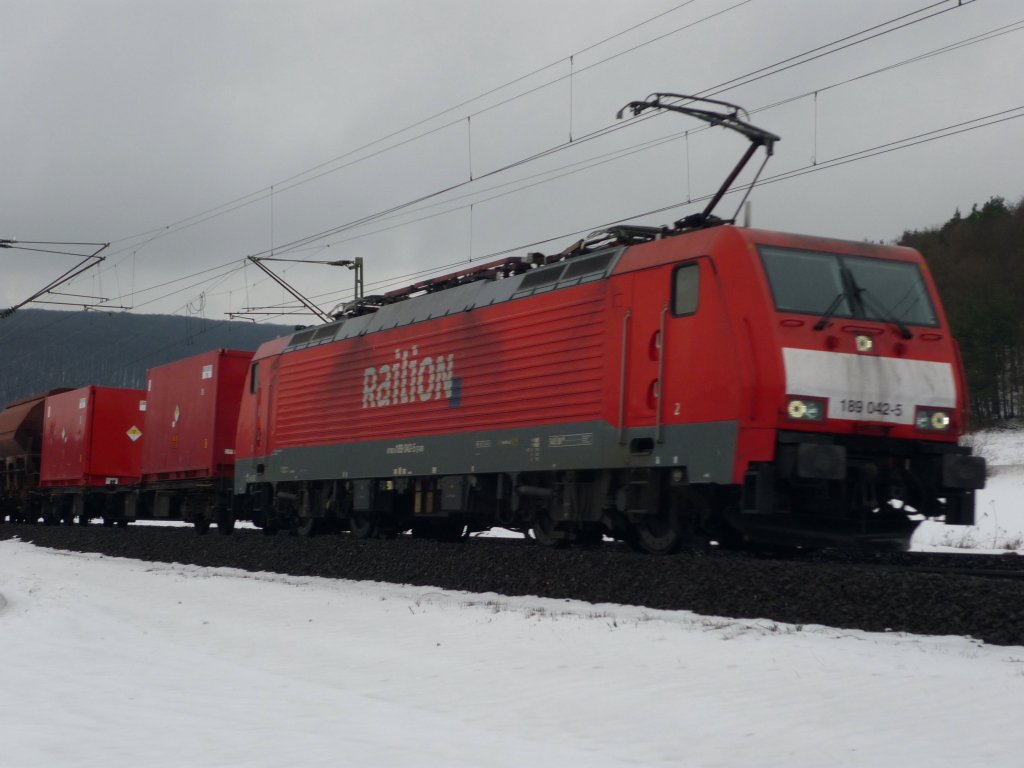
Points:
(188, 456)
(91, 456)
(21, 438)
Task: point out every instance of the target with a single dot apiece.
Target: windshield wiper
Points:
(832, 309)
(883, 315)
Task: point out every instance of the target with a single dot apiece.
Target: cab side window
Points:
(685, 289)
(254, 379)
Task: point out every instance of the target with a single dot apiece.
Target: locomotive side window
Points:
(838, 285)
(686, 290)
(254, 379)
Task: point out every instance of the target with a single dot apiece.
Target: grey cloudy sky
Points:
(191, 134)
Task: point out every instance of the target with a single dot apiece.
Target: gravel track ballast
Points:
(849, 595)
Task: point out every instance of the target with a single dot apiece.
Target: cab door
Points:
(699, 372)
(645, 322)
(681, 350)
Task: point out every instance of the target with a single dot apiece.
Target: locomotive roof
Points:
(461, 298)
(566, 273)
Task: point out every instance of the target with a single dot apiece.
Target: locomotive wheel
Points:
(305, 527)
(546, 531)
(672, 526)
(660, 534)
(202, 525)
(362, 525)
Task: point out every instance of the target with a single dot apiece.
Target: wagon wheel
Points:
(305, 527)
(362, 525)
(202, 525)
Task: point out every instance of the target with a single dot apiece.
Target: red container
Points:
(92, 437)
(191, 415)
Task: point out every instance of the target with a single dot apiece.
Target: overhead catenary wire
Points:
(266, 192)
(583, 165)
(863, 154)
(390, 211)
(261, 193)
(784, 64)
(903, 143)
(296, 176)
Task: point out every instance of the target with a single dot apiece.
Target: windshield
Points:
(847, 286)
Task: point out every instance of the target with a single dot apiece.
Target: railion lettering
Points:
(409, 379)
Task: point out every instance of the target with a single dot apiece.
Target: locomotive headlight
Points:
(805, 408)
(865, 343)
(932, 419)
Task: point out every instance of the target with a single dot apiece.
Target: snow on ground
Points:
(111, 662)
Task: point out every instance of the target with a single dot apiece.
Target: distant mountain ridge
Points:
(42, 349)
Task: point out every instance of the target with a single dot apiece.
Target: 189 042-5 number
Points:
(870, 408)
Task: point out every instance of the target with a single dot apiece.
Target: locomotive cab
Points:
(872, 398)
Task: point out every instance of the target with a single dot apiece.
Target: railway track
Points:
(935, 594)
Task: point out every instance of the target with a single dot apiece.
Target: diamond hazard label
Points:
(134, 434)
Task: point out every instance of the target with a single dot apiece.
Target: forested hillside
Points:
(978, 262)
(41, 349)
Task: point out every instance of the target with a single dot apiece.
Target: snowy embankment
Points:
(999, 510)
(112, 662)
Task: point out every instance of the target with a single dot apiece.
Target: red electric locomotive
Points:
(736, 382)
(653, 385)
